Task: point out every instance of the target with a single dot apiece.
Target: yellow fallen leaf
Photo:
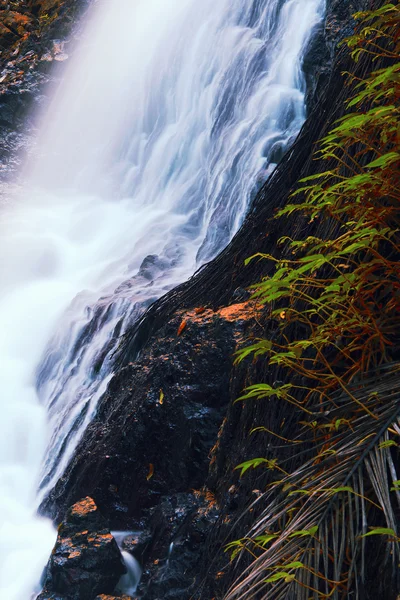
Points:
(151, 472)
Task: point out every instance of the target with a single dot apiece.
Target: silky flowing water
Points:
(169, 118)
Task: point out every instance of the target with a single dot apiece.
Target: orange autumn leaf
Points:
(182, 326)
(151, 472)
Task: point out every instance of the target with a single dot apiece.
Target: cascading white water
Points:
(129, 582)
(170, 116)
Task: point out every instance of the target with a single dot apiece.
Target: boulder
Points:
(86, 560)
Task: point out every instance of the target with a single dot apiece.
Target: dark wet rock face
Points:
(323, 47)
(50, 596)
(145, 457)
(179, 526)
(106, 597)
(159, 419)
(86, 560)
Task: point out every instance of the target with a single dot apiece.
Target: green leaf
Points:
(254, 463)
(264, 390)
(344, 488)
(305, 532)
(234, 545)
(387, 444)
(380, 531)
(294, 565)
(304, 492)
(263, 540)
(281, 575)
(261, 347)
(385, 160)
(259, 255)
(334, 287)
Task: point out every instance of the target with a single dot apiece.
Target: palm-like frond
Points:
(337, 492)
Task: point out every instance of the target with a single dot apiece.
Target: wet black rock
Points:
(151, 442)
(323, 47)
(49, 596)
(106, 597)
(138, 544)
(180, 525)
(86, 560)
(159, 418)
(151, 266)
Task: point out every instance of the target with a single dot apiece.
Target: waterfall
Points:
(170, 117)
(129, 582)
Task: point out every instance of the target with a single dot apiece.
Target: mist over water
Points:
(170, 116)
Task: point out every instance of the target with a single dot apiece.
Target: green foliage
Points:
(380, 531)
(254, 463)
(335, 297)
(344, 289)
(322, 506)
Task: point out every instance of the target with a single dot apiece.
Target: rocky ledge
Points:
(86, 561)
(145, 458)
(159, 420)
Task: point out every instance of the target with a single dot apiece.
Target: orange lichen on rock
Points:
(13, 19)
(45, 6)
(104, 537)
(66, 541)
(84, 507)
(242, 311)
(105, 597)
(98, 539)
(13, 26)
